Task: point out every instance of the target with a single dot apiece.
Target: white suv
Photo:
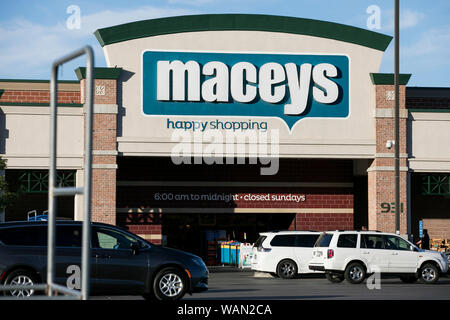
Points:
(355, 254)
(284, 253)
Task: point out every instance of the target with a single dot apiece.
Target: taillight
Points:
(330, 253)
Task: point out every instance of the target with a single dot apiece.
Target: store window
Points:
(36, 181)
(436, 185)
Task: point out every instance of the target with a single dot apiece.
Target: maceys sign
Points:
(286, 86)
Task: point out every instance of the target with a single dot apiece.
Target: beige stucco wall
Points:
(352, 137)
(25, 137)
(429, 141)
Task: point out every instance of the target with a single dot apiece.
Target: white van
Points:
(353, 255)
(284, 253)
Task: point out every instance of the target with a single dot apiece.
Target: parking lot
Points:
(244, 285)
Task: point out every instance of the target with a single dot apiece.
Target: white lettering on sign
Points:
(178, 69)
(270, 76)
(330, 92)
(243, 82)
(241, 74)
(215, 89)
(298, 87)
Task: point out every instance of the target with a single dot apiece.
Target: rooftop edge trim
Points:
(99, 73)
(388, 78)
(247, 22)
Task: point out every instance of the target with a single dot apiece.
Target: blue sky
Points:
(35, 32)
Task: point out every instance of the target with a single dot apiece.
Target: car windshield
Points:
(324, 240)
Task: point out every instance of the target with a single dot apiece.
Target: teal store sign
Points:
(286, 86)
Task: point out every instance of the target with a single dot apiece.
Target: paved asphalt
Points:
(245, 286)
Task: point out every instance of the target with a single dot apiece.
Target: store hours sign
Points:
(286, 86)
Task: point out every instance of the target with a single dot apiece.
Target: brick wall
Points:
(381, 175)
(39, 96)
(104, 150)
(103, 207)
(322, 221)
(146, 225)
(437, 228)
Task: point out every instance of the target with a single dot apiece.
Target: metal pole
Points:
(86, 251)
(396, 120)
(51, 181)
(54, 191)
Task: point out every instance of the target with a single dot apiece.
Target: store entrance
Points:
(199, 233)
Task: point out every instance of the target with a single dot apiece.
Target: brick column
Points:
(104, 142)
(381, 174)
(147, 225)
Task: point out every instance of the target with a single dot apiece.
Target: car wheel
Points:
(408, 279)
(169, 284)
(20, 277)
(334, 277)
(287, 269)
(429, 274)
(355, 273)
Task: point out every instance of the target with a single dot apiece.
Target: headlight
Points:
(199, 262)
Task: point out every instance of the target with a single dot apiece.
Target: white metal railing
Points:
(51, 288)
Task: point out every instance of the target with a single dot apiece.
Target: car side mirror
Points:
(134, 248)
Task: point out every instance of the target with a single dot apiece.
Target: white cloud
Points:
(431, 42)
(426, 57)
(28, 48)
(408, 19)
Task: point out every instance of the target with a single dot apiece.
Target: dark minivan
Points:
(121, 264)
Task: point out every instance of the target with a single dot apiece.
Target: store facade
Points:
(224, 126)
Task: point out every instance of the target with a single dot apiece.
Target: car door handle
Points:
(366, 252)
(395, 254)
(102, 256)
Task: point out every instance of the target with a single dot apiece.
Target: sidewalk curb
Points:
(262, 275)
(217, 269)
